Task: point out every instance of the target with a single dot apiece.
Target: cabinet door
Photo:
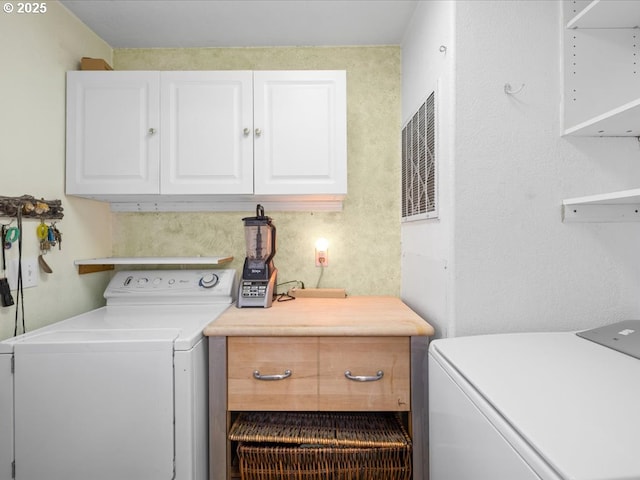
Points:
(112, 145)
(300, 132)
(207, 144)
(271, 357)
(379, 368)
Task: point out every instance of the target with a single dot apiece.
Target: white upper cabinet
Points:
(300, 132)
(112, 133)
(206, 134)
(196, 136)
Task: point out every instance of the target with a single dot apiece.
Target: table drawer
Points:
(272, 356)
(364, 358)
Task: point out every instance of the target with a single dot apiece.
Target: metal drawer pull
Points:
(364, 378)
(257, 376)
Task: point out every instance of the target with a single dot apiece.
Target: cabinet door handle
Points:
(152, 131)
(258, 132)
(282, 376)
(246, 132)
(364, 378)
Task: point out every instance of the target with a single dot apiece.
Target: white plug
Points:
(322, 252)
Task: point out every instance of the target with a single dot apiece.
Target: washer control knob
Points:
(209, 280)
(143, 281)
(157, 281)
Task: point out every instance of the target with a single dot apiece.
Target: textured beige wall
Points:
(364, 250)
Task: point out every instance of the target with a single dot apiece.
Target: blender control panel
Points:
(257, 293)
(254, 289)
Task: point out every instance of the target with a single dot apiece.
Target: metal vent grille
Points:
(419, 193)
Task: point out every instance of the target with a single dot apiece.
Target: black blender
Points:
(257, 286)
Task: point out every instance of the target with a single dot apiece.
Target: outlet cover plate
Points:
(30, 273)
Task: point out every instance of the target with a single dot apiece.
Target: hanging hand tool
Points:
(47, 239)
(5, 291)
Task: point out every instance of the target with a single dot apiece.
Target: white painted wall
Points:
(514, 265)
(427, 246)
(37, 50)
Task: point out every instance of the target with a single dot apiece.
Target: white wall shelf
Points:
(607, 14)
(623, 121)
(602, 93)
(602, 80)
(92, 265)
(622, 206)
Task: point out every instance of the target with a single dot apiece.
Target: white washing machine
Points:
(119, 392)
(550, 406)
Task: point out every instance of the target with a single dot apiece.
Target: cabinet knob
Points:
(246, 132)
(152, 131)
(258, 132)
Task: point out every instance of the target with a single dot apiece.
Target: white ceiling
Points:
(244, 23)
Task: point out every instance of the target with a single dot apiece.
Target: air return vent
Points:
(419, 189)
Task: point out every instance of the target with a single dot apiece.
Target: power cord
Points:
(320, 277)
(284, 296)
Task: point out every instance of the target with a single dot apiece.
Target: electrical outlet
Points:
(322, 252)
(30, 274)
(322, 258)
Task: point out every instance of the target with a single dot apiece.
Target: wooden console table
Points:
(351, 354)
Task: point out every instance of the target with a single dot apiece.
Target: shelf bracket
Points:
(607, 213)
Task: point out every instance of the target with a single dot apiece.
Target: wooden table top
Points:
(350, 316)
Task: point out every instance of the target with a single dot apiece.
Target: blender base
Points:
(257, 293)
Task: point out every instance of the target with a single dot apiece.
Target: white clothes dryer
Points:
(120, 392)
(534, 406)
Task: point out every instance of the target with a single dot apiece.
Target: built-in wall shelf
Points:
(622, 206)
(623, 121)
(602, 92)
(607, 14)
(101, 264)
(601, 78)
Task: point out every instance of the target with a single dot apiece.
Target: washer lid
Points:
(575, 402)
(84, 341)
(622, 336)
(187, 320)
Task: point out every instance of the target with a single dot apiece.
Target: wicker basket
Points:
(327, 446)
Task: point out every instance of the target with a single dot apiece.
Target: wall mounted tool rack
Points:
(31, 207)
